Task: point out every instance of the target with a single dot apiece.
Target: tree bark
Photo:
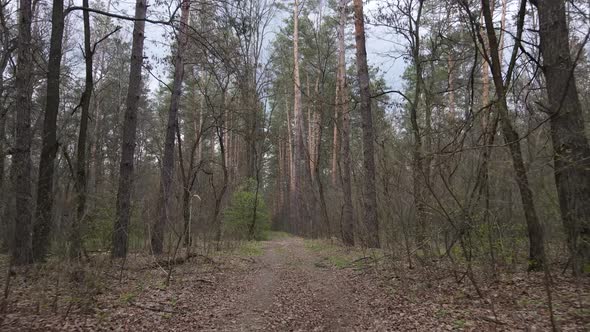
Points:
(81, 181)
(168, 158)
(299, 140)
(370, 201)
(571, 150)
(5, 56)
(291, 173)
(4, 224)
(43, 213)
(22, 251)
(120, 231)
(535, 230)
(419, 163)
(189, 177)
(335, 145)
(342, 109)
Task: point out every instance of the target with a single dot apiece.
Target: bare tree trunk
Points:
(535, 230)
(22, 251)
(120, 231)
(451, 73)
(97, 141)
(299, 153)
(290, 165)
(279, 179)
(81, 181)
(571, 150)
(219, 199)
(370, 202)
(489, 128)
(420, 164)
(342, 109)
(8, 213)
(287, 185)
(43, 213)
(313, 126)
(335, 144)
(97, 144)
(4, 224)
(168, 157)
(189, 177)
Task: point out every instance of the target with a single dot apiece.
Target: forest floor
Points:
(288, 284)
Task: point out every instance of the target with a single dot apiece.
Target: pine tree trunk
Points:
(335, 145)
(298, 150)
(291, 168)
(342, 109)
(571, 150)
(123, 214)
(370, 201)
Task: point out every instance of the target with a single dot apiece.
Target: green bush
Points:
(239, 220)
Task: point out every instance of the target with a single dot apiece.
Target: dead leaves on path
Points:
(306, 292)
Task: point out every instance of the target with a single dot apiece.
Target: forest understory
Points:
(287, 284)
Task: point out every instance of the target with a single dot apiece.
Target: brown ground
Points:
(292, 286)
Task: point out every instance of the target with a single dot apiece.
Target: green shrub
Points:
(239, 219)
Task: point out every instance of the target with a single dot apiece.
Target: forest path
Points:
(293, 290)
(286, 284)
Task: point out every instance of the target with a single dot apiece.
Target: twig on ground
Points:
(152, 308)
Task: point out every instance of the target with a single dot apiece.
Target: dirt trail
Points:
(287, 288)
(294, 285)
(292, 290)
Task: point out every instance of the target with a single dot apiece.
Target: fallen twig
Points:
(205, 281)
(493, 320)
(152, 308)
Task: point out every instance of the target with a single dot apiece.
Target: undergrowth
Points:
(250, 249)
(339, 256)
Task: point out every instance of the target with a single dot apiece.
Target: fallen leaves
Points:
(291, 288)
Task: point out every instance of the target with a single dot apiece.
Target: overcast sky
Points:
(380, 52)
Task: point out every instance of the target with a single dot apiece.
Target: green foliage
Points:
(459, 323)
(247, 215)
(98, 226)
(127, 297)
(250, 249)
(335, 255)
